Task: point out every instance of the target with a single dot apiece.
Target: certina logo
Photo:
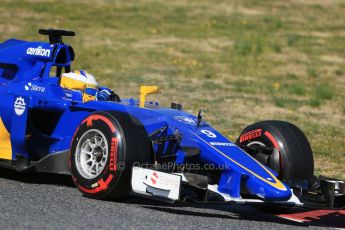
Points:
(38, 51)
(222, 144)
(186, 120)
(34, 87)
(19, 106)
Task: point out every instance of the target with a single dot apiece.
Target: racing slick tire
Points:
(292, 158)
(104, 148)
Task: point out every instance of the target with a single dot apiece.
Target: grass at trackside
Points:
(241, 60)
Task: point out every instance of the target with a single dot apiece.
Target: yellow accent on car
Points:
(5, 143)
(87, 97)
(146, 90)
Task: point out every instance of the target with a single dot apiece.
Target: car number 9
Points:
(208, 133)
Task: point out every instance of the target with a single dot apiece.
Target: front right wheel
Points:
(104, 149)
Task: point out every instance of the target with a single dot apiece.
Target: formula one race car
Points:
(56, 120)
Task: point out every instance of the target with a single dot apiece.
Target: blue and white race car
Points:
(56, 120)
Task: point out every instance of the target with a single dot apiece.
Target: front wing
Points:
(187, 187)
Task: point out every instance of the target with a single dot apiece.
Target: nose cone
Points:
(275, 190)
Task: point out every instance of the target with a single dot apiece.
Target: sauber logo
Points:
(154, 178)
(162, 180)
(250, 135)
(19, 106)
(38, 51)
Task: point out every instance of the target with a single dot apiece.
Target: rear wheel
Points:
(104, 149)
(292, 158)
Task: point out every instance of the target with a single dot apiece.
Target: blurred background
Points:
(240, 60)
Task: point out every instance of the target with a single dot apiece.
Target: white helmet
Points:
(78, 78)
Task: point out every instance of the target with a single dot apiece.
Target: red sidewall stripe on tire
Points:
(102, 185)
(91, 118)
(271, 138)
(276, 145)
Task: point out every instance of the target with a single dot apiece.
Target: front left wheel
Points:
(104, 149)
(293, 156)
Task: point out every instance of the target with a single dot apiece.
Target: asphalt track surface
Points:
(44, 201)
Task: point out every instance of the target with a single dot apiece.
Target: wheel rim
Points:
(256, 143)
(91, 154)
(274, 160)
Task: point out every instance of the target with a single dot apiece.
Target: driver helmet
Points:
(82, 81)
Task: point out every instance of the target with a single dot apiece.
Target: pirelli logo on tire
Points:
(250, 135)
(113, 154)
